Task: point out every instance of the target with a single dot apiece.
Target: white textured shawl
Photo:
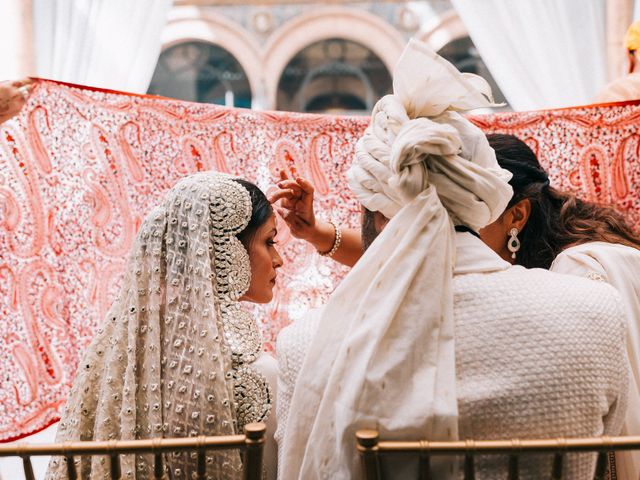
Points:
(384, 355)
(618, 265)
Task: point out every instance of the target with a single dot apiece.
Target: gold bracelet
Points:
(336, 241)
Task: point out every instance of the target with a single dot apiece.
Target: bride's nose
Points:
(277, 260)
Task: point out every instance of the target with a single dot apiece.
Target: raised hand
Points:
(296, 206)
(13, 96)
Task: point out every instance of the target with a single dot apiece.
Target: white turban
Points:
(403, 152)
(384, 354)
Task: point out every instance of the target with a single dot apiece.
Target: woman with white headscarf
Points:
(177, 356)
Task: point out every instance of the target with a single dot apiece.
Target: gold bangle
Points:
(336, 241)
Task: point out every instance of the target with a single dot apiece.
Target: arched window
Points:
(333, 76)
(464, 55)
(201, 72)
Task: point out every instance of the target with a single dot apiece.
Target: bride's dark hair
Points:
(261, 210)
(558, 220)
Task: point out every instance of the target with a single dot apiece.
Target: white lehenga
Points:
(176, 355)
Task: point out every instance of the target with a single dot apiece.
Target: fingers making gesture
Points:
(296, 206)
(13, 96)
(295, 197)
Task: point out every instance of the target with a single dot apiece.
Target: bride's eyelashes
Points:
(271, 241)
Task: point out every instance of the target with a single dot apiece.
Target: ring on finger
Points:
(24, 91)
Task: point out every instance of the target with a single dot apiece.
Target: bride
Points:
(177, 356)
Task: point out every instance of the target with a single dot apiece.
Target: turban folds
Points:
(417, 138)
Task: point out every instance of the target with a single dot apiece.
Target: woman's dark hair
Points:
(261, 210)
(557, 220)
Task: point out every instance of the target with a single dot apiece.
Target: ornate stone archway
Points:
(321, 24)
(193, 23)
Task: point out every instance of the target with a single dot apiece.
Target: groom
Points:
(432, 335)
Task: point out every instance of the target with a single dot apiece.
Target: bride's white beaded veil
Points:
(172, 358)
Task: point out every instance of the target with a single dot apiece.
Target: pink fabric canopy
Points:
(79, 169)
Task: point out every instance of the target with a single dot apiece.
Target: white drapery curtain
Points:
(542, 53)
(111, 44)
(16, 39)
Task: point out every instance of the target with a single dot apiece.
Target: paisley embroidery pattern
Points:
(80, 168)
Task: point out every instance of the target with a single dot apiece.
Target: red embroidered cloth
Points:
(79, 169)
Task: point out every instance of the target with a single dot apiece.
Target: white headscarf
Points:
(384, 355)
(172, 358)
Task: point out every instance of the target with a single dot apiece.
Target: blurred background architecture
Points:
(310, 56)
(305, 56)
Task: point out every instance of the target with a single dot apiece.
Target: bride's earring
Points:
(514, 242)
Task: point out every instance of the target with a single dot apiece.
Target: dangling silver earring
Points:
(514, 242)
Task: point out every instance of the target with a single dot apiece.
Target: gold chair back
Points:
(251, 443)
(371, 448)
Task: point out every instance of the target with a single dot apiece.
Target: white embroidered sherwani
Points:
(538, 355)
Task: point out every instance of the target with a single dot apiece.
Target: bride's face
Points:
(265, 261)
